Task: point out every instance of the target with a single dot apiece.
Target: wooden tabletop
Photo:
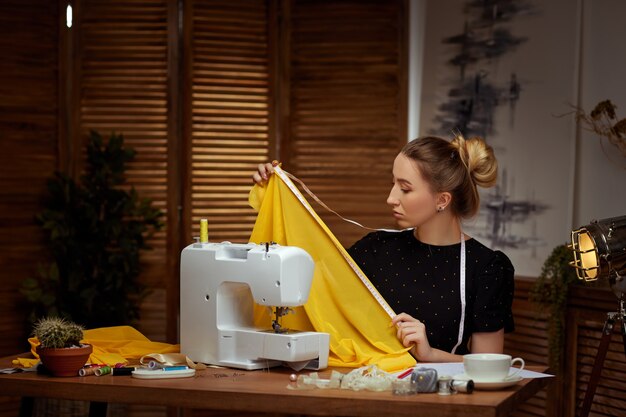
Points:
(265, 391)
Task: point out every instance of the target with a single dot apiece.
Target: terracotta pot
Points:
(64, 361)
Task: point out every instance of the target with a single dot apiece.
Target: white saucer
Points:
(491, 385)
(160, 373)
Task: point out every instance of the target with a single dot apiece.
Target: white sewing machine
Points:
(219, 283)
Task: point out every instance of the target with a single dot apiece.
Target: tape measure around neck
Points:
(462, 291)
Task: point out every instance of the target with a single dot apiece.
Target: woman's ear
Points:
(443, 200)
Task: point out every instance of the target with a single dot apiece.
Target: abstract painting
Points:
(481, 78)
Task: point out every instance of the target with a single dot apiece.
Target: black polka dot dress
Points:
(423, 281)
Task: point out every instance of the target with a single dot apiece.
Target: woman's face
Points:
(411, 198)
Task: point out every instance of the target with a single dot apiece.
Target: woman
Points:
(455, 294)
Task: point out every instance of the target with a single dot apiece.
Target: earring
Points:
(439, 209)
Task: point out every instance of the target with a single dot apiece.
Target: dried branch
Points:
(603, 122)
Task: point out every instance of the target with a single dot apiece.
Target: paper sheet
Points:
(456, 368)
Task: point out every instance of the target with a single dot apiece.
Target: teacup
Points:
(484, 367)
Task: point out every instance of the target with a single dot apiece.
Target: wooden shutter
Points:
(529, 341)
(609, 396)
(227, 119)
(588, 308)
(124, 89)
(28, 132)
(347, 101)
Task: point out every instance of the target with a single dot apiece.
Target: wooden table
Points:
(260, 391)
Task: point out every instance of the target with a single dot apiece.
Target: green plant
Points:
(550, 292)
(95, 230)
(55, 332)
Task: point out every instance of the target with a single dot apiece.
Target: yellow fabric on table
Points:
(339, 303)
(111, 345)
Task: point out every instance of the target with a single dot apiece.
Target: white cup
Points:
(490, 367)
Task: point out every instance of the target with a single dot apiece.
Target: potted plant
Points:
(95, 229)
(59, 348)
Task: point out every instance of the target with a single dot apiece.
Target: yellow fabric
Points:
(111, 345)
(339, 303)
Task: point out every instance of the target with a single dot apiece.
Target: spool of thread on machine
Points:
(204, 231)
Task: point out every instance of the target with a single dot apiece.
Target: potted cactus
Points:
(59, 347)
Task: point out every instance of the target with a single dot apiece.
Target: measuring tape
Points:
(463, 298)
(366, 282)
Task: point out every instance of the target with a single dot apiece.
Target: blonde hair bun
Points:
(479, 159)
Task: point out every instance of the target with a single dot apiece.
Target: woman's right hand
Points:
(412, 333)
(263, 173)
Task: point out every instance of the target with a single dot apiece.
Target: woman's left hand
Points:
(412, 332)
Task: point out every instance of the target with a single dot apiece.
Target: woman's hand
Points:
(263, 173)
(412, 332)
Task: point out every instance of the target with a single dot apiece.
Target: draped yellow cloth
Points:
(339, 303)
(111, 345)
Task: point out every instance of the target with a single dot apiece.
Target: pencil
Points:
(405, 373)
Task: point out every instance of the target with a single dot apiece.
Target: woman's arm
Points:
(487, 342)
(412, 332)
(436, 355)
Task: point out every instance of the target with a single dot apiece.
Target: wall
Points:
(570, 57)
(601, 178)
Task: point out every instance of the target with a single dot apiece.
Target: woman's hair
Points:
(456, 167)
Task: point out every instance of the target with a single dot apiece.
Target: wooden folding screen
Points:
(203, 93)
(529, 341)
(587, 313)
(28, 134)
(319, 85)
(227, 111)
(609, 396)
(346, 96)
(122, 87)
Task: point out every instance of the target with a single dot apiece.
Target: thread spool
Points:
(204, 231)
(105, 370)
(445, 385)
(466, 387)
(122, 371)
(87, 371)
